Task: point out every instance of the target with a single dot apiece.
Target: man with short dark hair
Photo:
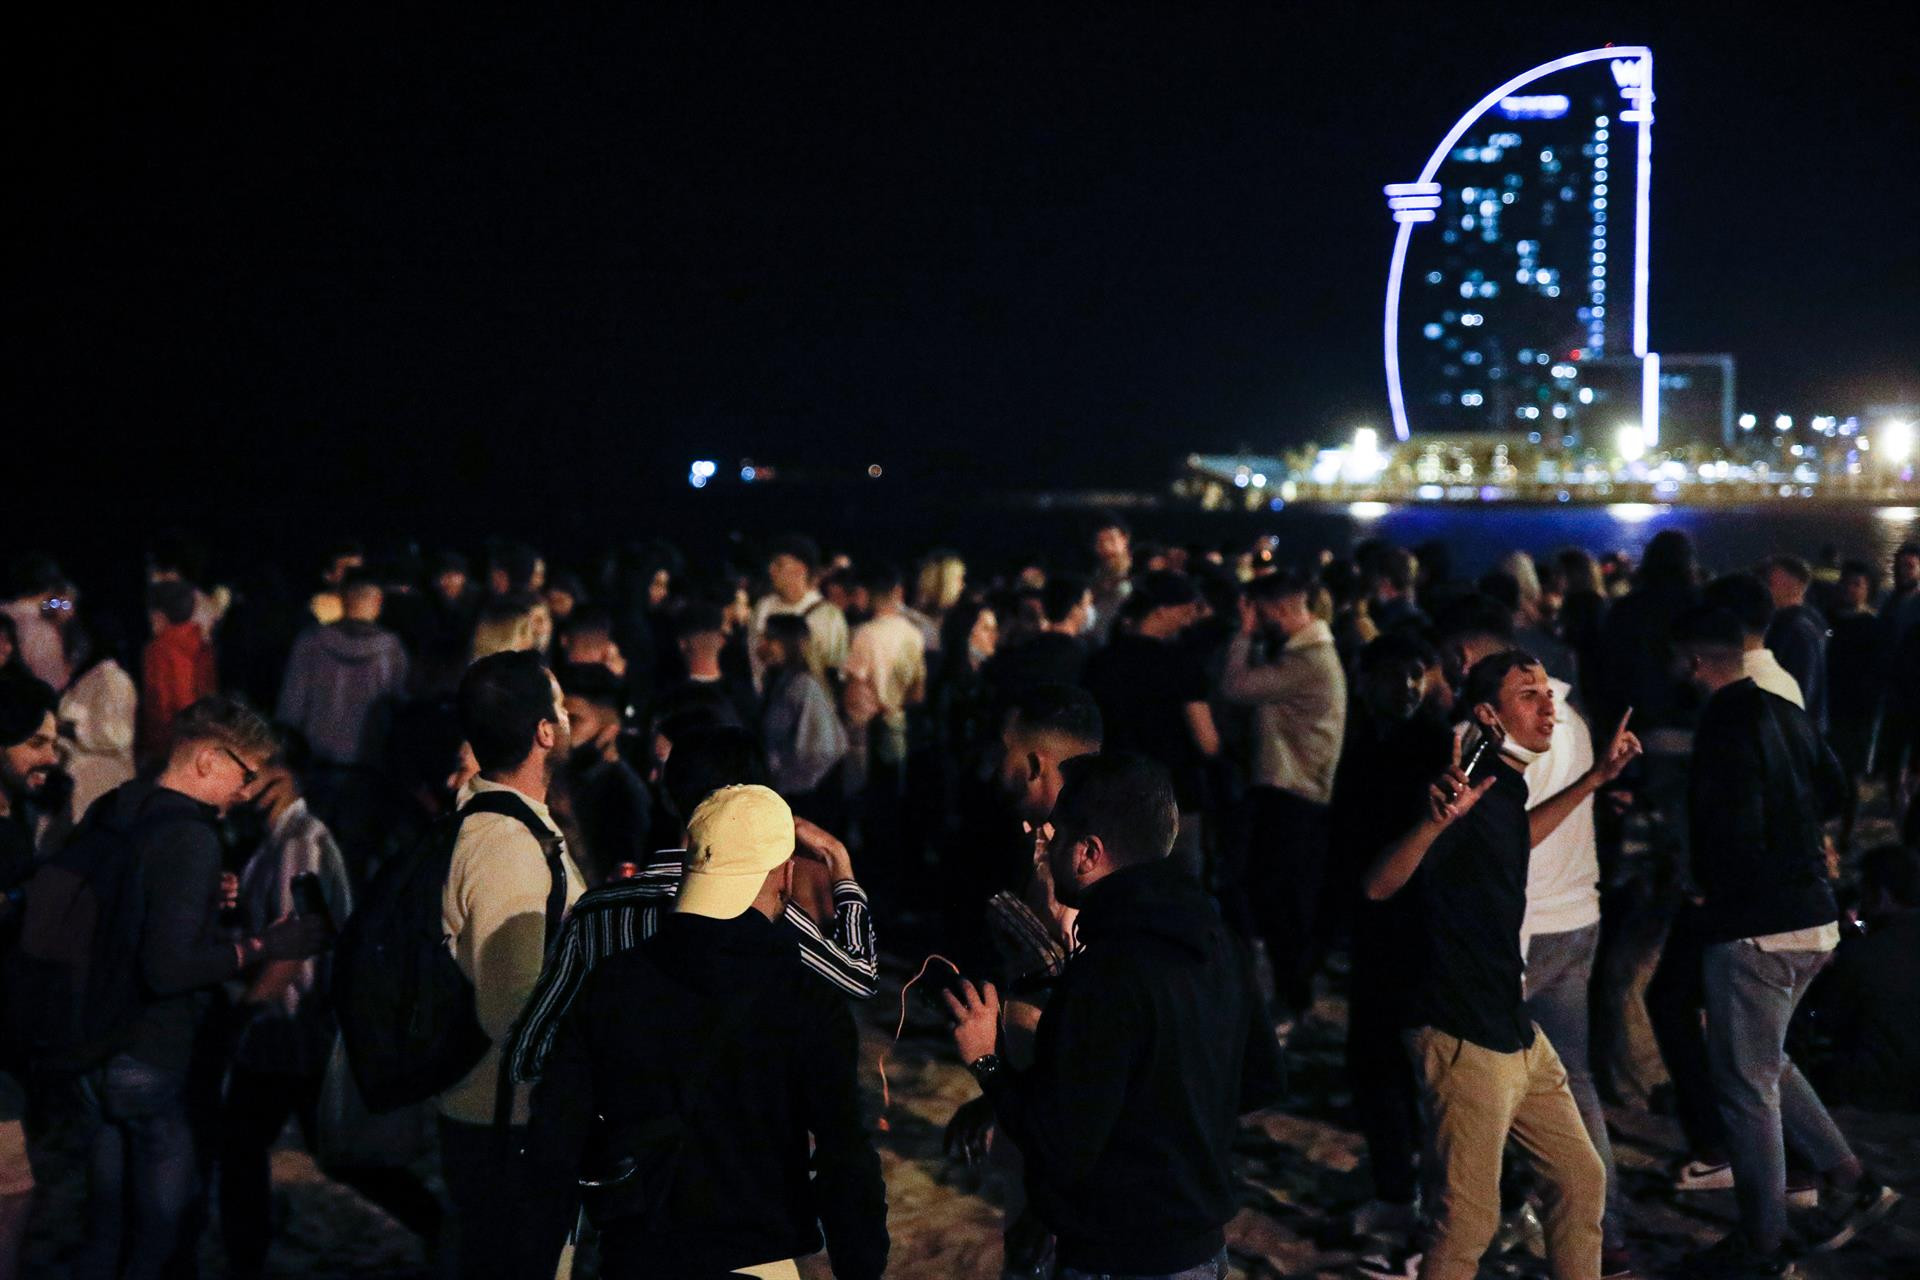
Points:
(1855, 681)
(29, 753)
(1112, 576)
(701, 632)
(792, 563)
(887, 662)
(1763, 783)
(1153, 698)
(138, 1112)
(344, 679)
(611, 806)
(1392, 575)
(1152, 1046)
(1797, 633)
(1748, 600)
(1485, 1070)
(1299, 695)
(710, 1053)
(505, 887)
(1057, 654)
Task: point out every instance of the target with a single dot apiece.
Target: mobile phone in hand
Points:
(309, 899)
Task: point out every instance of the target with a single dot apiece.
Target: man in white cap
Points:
(700, 1066)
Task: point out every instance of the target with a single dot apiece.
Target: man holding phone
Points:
(1152, 1046)
(1484, 1070)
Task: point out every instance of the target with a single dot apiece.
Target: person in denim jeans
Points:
(1763, 783)
(133, 1111)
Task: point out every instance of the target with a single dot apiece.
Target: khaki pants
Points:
(1473, 1098)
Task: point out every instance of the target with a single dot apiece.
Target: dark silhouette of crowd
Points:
(567, 876)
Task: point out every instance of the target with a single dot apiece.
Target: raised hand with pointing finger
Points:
(1620, 753)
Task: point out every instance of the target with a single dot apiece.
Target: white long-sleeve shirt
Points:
(494, 910)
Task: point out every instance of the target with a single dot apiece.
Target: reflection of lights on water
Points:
(1634, 512)
(1897, 515)
(1368, 510)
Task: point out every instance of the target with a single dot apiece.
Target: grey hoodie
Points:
(342, 681)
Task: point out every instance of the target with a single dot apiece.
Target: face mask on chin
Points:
(1512, 749)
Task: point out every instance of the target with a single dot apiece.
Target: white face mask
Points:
(1512, 749)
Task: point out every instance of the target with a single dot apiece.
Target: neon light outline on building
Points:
(1633, 73)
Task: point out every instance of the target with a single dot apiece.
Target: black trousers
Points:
(1386, 1097)
(1287, 839)
(507, 1224)
(1676, 1000)
(257, 1108)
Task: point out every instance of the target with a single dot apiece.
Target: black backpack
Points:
(406, 1011)
(73, 978)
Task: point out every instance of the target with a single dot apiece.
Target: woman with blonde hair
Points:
(506, 624)
(941, 585)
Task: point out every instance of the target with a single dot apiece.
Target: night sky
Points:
(309, 269)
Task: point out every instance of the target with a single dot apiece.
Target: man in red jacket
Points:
(177, 668)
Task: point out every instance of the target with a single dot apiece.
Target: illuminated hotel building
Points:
(1517, 296)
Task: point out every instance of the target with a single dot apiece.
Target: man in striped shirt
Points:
(622, 914)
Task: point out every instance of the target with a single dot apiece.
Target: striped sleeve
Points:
(605, 922)
(849, 958)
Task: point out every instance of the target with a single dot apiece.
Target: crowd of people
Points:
(1146, 802)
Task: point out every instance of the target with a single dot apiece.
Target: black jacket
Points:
(1152, 1046)
(184, 953)
(1763, 783)
(639, 1044)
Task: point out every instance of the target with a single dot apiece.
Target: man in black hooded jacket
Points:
(1154, 1044)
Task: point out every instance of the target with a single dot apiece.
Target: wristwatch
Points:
(985, 1067)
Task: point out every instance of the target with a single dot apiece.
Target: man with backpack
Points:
(120, 953)
(694, 1072)
(508, 884)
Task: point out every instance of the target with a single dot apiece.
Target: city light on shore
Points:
(1896, 443)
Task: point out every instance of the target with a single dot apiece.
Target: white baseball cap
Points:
(737, 836)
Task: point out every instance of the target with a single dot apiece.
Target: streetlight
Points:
(1748, 422)
(1783, 423)
(1896, 442)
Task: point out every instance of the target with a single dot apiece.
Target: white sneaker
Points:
(1704, 1175)
(1397, 1264)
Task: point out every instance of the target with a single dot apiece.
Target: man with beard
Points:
(612, 808)
(28, 754)
(1154, 1043)
(1048, 726)
(504, 887)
